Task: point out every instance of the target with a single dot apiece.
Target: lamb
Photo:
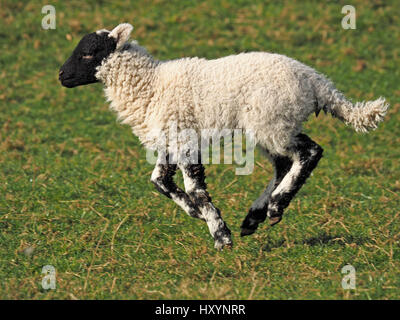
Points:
(270, 94)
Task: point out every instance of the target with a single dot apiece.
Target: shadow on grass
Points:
(325, 238)
(320, 240)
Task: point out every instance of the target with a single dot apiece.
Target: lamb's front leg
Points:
(162, 177)
(196, 188)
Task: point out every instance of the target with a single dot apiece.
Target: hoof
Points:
(274, 220)
(249, 226)
(223, 238)
(222, 243)
(246, 232)
(274, 214)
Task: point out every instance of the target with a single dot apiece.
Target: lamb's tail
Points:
(362, 116)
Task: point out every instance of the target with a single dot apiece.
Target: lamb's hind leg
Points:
(196, 188)
(258, 211)
(295, 169)
(305, 155)
(162, 178)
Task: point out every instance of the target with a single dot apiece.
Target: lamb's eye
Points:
(87, 57)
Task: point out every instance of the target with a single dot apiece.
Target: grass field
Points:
(75, 190)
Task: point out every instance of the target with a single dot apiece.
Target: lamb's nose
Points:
(60, 74)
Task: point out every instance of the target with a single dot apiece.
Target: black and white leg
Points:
(162, 178)
(291, 173)
(196, 188)
(258, 210)
(305, 156)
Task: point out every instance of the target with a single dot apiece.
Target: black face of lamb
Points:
(271, 205)
(80, 68)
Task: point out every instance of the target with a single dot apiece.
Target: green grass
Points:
(75, 184)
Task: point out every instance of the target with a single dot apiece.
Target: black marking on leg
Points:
(165, 184)
(198, 193)
(195, 173)
(310, 153)
(223, 234)
(258, 211)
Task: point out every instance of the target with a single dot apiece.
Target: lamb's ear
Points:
(121, 33)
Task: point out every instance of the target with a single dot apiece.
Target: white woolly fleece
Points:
(270, 94)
